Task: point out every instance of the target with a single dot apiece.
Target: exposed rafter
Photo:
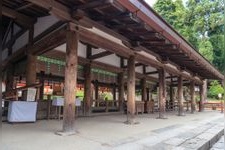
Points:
(101, 54)
(21, 19)
(152, 72)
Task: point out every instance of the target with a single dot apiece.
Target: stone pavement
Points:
(193, 131)
(200, 136)
(220, 145)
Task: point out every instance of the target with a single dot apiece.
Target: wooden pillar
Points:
(31, 62)
(42, 81)
(131, 90)
(96, 90)
(70, 81)
(171, 103)
(148, 94)
(143, 89)
(162, 93)
(87, 89)
(114, 92)
(10, 77)
(192, 93)
(180, 97)
(121, 90)
(31, 69)
(202, 90)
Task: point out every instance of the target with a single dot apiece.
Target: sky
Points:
(151, 2)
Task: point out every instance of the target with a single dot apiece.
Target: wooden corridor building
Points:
(124, 37)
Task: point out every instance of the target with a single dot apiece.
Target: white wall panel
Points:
(21, 41)
(111, 60)
(81, 49)
(44, 23)
(139, 69)
(4, 54)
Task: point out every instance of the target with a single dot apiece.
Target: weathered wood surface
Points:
(180, 97)
(162, 93)
(192, 93)
(70, 81)
(131, 90)
(87, 89)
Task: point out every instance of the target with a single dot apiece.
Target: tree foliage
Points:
(201, 22)
(215, 89)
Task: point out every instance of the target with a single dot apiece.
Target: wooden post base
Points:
(70, 133)
(161, 117)
(181, 114)
(131, 122)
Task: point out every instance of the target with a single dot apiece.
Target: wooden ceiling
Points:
(111, 14)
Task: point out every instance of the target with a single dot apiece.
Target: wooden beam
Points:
(49, 42)
(100, 41)
(49, 30)
(180, 97)
(136, 65)
(7, 32)
(55, 8)
(24, 6)
(101, 54)
(152, 72)
(131, 90)
(18, 17)
(13, 39)
(70, 82)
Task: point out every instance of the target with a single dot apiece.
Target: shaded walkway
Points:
(104, 132)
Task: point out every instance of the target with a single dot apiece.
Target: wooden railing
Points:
(214, 105)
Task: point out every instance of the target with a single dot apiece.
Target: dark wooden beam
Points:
(24, 6)
(94, 4)
(14, 38)
(49, 42)
(18, 17)
(101, 54)
(136, 65)
(49, 30)
(152, 72)
(7, 32)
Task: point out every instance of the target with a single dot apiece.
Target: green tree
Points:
(200, 22)
(206, 49)
(214, 89)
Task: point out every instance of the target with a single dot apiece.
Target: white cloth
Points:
(59, 101)
(22, 111)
